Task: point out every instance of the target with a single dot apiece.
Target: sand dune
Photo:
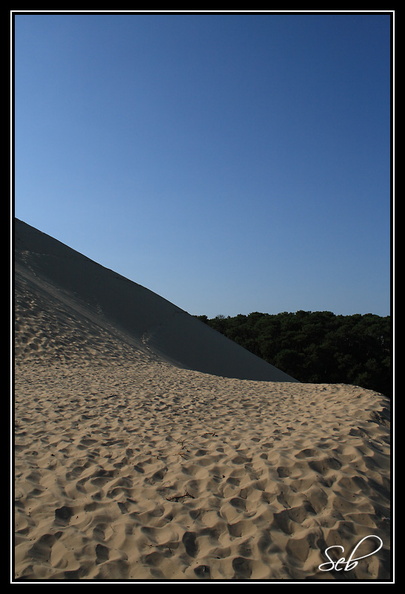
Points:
(128, 466)
(147, 320)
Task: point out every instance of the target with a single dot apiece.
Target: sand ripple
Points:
(146, 471)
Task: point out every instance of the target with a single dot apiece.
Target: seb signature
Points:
(352, 562)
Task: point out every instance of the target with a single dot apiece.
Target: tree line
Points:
(317, 347)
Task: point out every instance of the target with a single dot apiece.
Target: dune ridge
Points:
(129, 467)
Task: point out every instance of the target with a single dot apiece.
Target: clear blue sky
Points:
(230, 163)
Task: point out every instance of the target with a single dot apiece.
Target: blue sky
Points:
(230, 163)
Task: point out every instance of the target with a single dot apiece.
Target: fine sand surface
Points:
(128, 466)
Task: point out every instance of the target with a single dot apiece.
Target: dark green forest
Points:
(317, 347)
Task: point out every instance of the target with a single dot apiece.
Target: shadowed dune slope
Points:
(147, 321)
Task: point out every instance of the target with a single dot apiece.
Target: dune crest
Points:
(131, 466)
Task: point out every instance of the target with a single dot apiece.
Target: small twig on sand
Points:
(178, 497)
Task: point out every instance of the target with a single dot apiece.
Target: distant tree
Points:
(319, 346)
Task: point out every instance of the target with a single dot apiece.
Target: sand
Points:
(130, 467)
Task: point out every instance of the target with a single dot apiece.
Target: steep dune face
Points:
(147, 320)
